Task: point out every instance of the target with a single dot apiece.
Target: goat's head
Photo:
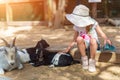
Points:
(42, 44)
(40, 49)
(10, 51)
(37, 52)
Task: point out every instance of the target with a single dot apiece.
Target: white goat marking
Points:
(36, 51)
(24, 55)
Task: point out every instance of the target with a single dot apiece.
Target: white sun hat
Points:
(80, 16)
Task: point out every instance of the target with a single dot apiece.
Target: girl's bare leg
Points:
(82, 47)
(93, 49)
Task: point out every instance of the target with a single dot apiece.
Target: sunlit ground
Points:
(117, 38)
(11, 30)
(105, 71)
(28, 35)
(108, 71)
(112, 31)
(34, 32)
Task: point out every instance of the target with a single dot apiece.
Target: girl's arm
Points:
(73, 42)
(102, 34)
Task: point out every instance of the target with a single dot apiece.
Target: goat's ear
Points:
(6, 43)
(13, 44)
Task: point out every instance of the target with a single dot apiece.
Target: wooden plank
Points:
(9, 15)
(106, 56)
(111, 57)
(19, 1)
(21, 23)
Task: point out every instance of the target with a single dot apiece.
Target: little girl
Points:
(85, 34)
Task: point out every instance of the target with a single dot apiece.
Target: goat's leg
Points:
(10, 69)
(20, 65)
(2, 71)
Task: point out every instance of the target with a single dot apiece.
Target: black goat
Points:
(38, 55)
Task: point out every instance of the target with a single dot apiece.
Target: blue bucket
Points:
(108, 47)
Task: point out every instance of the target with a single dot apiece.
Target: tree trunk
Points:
(94, 10)
(59, 15)
(106, 8)
(51, 12)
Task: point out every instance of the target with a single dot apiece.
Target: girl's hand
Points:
(66, 51)
(69, 47)
(107, 41)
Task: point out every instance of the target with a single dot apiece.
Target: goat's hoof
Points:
(52, 66)
(20, 66)
(2, 71)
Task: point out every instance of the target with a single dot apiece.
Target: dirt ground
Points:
(27, 36)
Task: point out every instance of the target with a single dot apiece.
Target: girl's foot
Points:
(92, 67)
(84, 62)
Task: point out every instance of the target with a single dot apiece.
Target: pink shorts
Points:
(86, 39)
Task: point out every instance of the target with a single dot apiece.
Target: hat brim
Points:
(80, 21)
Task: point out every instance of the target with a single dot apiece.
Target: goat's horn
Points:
(13, 44)
(6, 43)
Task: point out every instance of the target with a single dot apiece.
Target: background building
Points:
(38, 10)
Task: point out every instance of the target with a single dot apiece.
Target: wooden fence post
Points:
(9, 15)
(59, 15)
(94, 7)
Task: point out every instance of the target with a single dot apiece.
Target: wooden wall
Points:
(22, 10)
(36, 10)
